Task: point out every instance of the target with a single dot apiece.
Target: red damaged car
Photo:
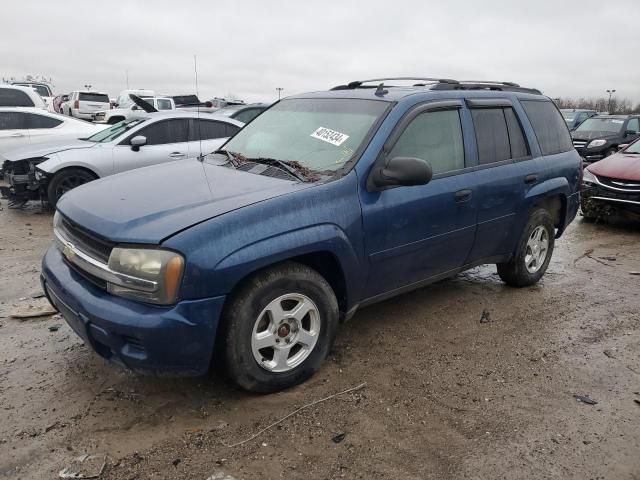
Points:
(612, 185)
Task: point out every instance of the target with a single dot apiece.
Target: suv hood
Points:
(147, 205)
(621, 166)
(592, 134)
(44, 149)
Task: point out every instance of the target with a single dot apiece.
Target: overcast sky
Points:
(250, 47)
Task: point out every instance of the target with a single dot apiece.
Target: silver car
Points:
(49, 170)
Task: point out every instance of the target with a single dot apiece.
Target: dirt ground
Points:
(451, 393)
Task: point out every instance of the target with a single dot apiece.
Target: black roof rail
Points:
(359, 83)
(443, 84)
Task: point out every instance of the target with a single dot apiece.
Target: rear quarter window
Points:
(10, 97)
(549, 126)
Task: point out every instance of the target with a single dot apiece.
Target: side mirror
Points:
(630, 133)
(405, 171)
(622, 146)
(137, 142)
(65, 98)
(208, 104)
(135, 107)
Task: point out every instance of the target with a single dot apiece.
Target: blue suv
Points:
(250, 257)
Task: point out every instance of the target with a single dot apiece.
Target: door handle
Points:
(17, 134)
(532, 178)
(177, 155)
(464, 195)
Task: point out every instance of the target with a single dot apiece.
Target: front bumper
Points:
(175, 340)
(599, 198)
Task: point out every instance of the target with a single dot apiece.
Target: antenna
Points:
(195, 71)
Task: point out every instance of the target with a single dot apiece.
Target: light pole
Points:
(279, 89)
(610, 92)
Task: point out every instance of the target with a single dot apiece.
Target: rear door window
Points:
(549, 127)
(93, 97)
(435, 137)
(13, 120)
(42, 121)
(519, 147)
(166, 131)
(207, 130)
(492, 135)
(10, 97)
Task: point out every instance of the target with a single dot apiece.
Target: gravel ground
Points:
(464, 379)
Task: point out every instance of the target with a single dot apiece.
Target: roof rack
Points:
(442, 84)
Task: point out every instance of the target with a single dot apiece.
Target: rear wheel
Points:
(66, 180)
(533, 253)
(278, 328)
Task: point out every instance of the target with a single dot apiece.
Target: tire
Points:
(66, 180)
(523, 269)
(248, 321)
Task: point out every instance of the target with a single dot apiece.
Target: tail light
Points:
(76, 104)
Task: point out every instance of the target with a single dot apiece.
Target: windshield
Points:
(601, 125)
(569, 116)
(320, 134)
(633, 148)
(115, 131)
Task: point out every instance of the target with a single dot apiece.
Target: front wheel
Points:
(533, 253)
(278, 328)
(66, 180)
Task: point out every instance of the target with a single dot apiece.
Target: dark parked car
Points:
(575, 116)
(328, 201)
(598, 137)
(243, 113)
(612, 186)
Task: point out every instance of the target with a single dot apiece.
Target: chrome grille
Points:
(580, 143)
(92, 246)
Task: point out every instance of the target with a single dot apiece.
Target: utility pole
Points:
(279, 89)
(610, 92)
(127, 74)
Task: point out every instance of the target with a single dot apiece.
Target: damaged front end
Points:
(23, 181)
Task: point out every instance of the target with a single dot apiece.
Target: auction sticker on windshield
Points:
(330, 136)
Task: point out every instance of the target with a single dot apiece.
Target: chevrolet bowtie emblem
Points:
(68, 251)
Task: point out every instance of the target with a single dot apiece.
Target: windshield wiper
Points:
(289, 167)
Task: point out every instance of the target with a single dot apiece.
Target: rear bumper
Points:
(175, 340)
(573, 204)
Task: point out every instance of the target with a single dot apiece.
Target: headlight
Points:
(588, 177)
(596, 143)
(152, 276)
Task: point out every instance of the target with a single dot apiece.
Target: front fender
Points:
(325, 238)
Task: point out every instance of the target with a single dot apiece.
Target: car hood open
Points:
(147, 205)
(621, 166)
(44, 149)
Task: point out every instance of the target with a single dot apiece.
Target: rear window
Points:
(94, 97)
(10, 97)
(549, 126)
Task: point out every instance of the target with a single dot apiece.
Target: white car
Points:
(132, 110)
(83, 104)
(41, 89)
(50, 170)
(16, 96)
(23, 126)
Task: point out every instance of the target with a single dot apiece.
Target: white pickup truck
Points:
(131, 110)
